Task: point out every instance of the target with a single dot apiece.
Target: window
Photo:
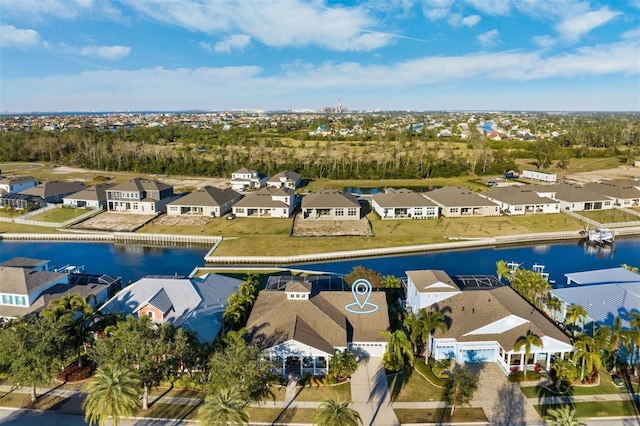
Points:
(352, 211)
(453, 210)
(339, 212)
(417, 212)
(149, 314)
(239, 210)
(173, 208)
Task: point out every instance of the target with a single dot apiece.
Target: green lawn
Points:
(597, 409)
(605, 386)
(610, 216)
(320, 393)
(59, 215)
(441, 415)
(412, 387)
(280, 415)
(23, 400)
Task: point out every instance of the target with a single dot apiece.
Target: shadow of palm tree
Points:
(398, 382)
(509, 408)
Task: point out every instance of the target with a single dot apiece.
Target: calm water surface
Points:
(134, 262)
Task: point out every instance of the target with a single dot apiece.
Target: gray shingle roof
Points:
(14, 180)
(24, 262)
(517, 195)
(328, 198)
(624, 189)
(264, 198)
(569, 192)
(53, 188)
(207, 196)
(449, 196)
(140, 185)
(93, 193)
(426, 278)
(288, 176)
(17, 280)
(401, 198)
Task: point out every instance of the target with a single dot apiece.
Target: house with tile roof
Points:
(195, 304)
(267, 202)
(331, 204)
(623, 192)
(139, 196)
(207, 201)
(285, 179)
(13, 184)
(520, 200)
(300, 328)
(462, 202)
(54, 191)
(483, 322)
(573, 197)
(94, 197)
(403, 204)
(29, 285)
(245, 178)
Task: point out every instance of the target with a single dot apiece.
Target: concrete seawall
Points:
(117, 238)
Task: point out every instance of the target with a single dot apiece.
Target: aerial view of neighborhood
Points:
(319, 213)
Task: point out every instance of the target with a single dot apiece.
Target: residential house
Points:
(139, 196)
(403, 204)
(331, 204)
(245, 178)
(300, 328)
(54, 191)
(94, 197)
(29, 285)
(286, 179)
(462, 202)
(519, 200)
(483, 323)
(10, 185)
(195, 304)
(207, 201)
(22, 201)
(623, 192)
(267, 202)
(573, 197)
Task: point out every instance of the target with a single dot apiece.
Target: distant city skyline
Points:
(421, 55)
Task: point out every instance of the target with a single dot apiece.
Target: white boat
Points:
(600, 236)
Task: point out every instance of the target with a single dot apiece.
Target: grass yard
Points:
(23, 400)
(441, 415)
(59, 215)
(19, 228)
(596, 409)
(237, 227)
(605, 386)
(169, 411)
(410, 386)
(320, 393)
(609, 216)
(280, 415)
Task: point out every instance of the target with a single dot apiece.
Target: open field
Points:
(114, 222)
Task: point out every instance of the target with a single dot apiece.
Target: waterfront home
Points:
(573, 197)
(54, 191)
(94, 197)
(207, 201)
(623, 192)
(520, 200)
(195, 304)
(300, 328)
(28, 285)
(267, 202)
(13, 184)
(331, 204)
(484, 321)
(403, 204)
(139, 196)
(462, 202)
(603, 293)
(245, 178)
(22, 201)
(286, 179)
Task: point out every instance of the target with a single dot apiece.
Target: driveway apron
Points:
(370, 394)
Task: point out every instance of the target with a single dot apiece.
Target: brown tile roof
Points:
(328, 198)
(401, 198)
(424, 279)
(449, 196)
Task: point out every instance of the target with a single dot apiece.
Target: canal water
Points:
(135, 262)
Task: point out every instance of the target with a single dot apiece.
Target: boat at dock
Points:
(599, 235)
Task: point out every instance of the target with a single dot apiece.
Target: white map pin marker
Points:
(361, 290)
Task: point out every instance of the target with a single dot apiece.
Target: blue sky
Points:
(129, 55)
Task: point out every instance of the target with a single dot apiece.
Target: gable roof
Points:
(450, 196)
(328, 198)
(401, 198)
(53, 188)
(569, 192)
(265, 198)
(160, 301)
(93, 193)
(432, 280)
(207, 196)
(287, 175)
(140, 185)
(621, 188)
(517, 195)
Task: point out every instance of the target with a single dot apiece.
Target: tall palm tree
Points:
(527, 342)
(576, 314)
(333, 412)
(225, 407)
(553, 305)
(564, 415)
(633, 335)
(431, 321)
(616, 340)
(112, 392)
(398, 348)
(414, 326)
(587, 353)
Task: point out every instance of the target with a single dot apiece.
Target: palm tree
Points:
(564, 415)
(587, 353)
(223, 408)
(502, 270)
(576, 314)
(414, 326)
(333, 412)
(527, 342)
(398, 348)
(431, 321)
(633, 336)
(554, 305)
(616, 340)
(112, 392)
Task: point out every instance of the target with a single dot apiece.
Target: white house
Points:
(286, 179)
(94, 197)
(403, 204)
(245, 178)
(573, 197)
(519, 200)
(207, 201)
(267, 202)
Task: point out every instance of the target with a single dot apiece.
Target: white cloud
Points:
(111, 53)
(491, 7)
(436, 9)
(11, 36)
(489, 38)
(40, 9)
(456, 20)
(544, 41)
(229, 44)
(631, 34)
(575, 27)
(278, 23)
